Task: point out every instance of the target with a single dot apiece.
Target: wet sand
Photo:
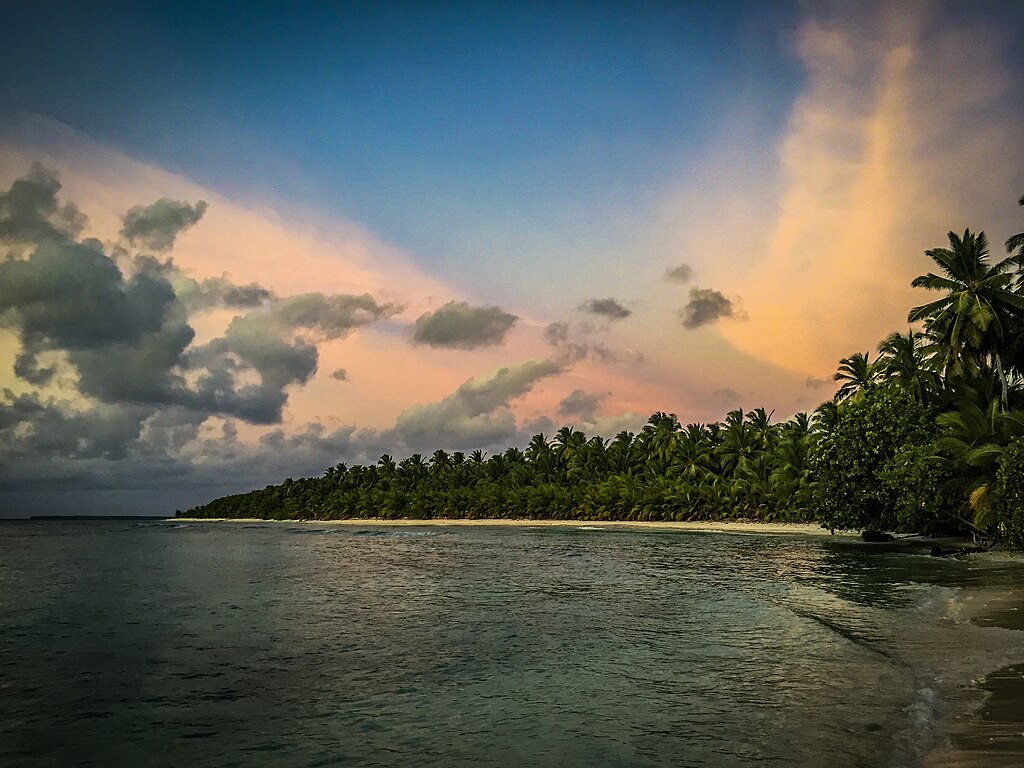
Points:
(988, 729)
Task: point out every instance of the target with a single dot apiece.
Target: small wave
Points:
(375, 534)
(924, 713)
(590, 528)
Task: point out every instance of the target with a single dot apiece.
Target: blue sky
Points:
(427, 122)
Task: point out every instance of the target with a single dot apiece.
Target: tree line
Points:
(926, 435)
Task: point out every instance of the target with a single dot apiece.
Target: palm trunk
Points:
(1002, 377)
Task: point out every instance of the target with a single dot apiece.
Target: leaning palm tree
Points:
(857, 373)
(971, 319)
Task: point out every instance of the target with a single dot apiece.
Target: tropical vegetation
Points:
(927, 436)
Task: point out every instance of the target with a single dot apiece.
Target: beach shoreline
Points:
(984, 726)
(731, 526)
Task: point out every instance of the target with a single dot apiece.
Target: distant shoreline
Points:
(724, 526)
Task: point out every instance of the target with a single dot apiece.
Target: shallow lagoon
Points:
(209, 644)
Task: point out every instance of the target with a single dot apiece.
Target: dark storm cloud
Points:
(30, 212)
(457, 325)
(705, 306)
(156, 226)
(244, 348)
(607, 308)
(476, 414)
(680, 274)
(58, 431)
(123, 336)
(110, 333)
(582, 404)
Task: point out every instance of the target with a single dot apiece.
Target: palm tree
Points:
(858, 373)
(620, 453)
(975, 437)
(1016, 243)
(971, 320)
(760, 421)
(826, 417)
(659, 437)
(902, 360)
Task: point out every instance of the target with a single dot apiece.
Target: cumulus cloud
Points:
(607, 308)
(214, 292)
(458, 325)
(339, 374)
(581, 404)
(705, 306)
(156, 226)
(122, 335)
(682, 273)
(112, 334)
(477, 413)
(30, 212)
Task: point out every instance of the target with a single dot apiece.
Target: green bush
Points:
(854, 469)
(1009, 494)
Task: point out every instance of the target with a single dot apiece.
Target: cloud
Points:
(31, 426)
(909, 125)
(30, 212)
(339, 374)
(556, 333)
(705, 306)
(457, 325)
(332, 316)
(814, 383)
(123, 336)
(727, 396)
(679, 274)
(477, 413)
(277, 344)
(584, 405)
(156, 226)
(578, 342)
(607, 308)
(214, 292)
(124, 339)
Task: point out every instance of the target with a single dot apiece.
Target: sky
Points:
(243, 242)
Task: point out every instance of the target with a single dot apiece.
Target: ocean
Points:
(164, 643)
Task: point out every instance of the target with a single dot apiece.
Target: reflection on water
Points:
(217, 644)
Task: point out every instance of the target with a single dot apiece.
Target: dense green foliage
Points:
(1009, 493)
(860, 464)
(928, 436)
(745, 467)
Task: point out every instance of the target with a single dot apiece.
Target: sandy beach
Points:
(743, 527)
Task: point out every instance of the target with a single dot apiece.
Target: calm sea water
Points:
(161, 643)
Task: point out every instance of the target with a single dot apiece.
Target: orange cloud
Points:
(902, 134)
